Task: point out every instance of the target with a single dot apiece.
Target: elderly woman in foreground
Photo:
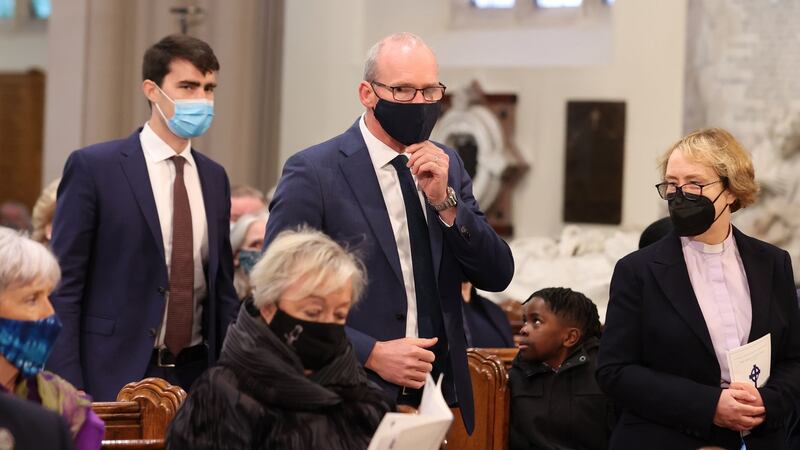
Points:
(287, 377)
(28, 329)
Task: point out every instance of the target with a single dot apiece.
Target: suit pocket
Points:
(98, 325)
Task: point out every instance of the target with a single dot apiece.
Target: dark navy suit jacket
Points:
(31, 426)
(657, 361)
(333, 187)
(107, 238)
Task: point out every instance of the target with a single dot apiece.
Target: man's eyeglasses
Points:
(691, 191)
(407, 93)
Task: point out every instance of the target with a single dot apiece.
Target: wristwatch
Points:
(448, 202)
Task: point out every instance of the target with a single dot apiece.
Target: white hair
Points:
(240, 227)
(23, 261)
(371, 64)
(305, 254)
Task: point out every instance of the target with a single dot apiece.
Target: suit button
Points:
(152, 332)
(161, 290)
(465, 232)
(400, 317)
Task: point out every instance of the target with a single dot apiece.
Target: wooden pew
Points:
(514, 312)
(492, 400)
(505, 355)
(140, 416)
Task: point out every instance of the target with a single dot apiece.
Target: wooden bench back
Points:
(141, 415)
(505, 355)
(492, 400)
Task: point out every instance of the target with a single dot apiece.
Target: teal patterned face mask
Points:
(27, 343)
(248, 259)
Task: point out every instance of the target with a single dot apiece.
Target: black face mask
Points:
(407, 123)
(315, 343)
(692, 217)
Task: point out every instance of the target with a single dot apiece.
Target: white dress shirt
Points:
(161, 170)
(720, 285)
(381, 154)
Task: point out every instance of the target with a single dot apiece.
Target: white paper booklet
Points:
(423, 431)
(750, 363)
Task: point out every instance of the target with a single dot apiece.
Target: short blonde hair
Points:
(305, 254)
(43, 211)
(718, 149)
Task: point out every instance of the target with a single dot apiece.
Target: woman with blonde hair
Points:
(43, 211)
(679, 305)
(287, 377)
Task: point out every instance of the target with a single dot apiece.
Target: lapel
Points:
(356, 166)
(669, 269)
(204, 172)
(135, 169)
(759, 278)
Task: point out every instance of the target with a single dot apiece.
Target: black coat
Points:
(559, 410)
(31, 427)
(657, 361)
(259, 398)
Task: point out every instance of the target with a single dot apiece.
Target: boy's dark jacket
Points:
(559, 410)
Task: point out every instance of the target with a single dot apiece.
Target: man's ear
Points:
(367, 95)
(572, 337)
(150, 90)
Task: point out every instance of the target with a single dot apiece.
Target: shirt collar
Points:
(701, 247)
(156, 150)
(380, 153)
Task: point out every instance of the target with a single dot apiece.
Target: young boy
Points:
(555, 400)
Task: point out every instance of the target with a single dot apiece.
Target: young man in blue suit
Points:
(141, 233)
(407, 204)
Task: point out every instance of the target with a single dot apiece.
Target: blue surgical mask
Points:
(192, 116)
(27, 343)
(248, 259)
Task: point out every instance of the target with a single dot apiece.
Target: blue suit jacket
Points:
(657, 360)
(107, 238)
(333, 187)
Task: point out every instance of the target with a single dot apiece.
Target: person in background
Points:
(555, 400)
(15, 215)
(678, 306)
(247, 239)
(246, 200)
(28, 329)
(288, 378)
(485, 323)
(655, 231)
(43, 211)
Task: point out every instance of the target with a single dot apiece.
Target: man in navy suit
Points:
(407, 204)
(141, 233)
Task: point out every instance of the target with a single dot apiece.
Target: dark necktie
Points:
(429, 312)
(180, 309)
